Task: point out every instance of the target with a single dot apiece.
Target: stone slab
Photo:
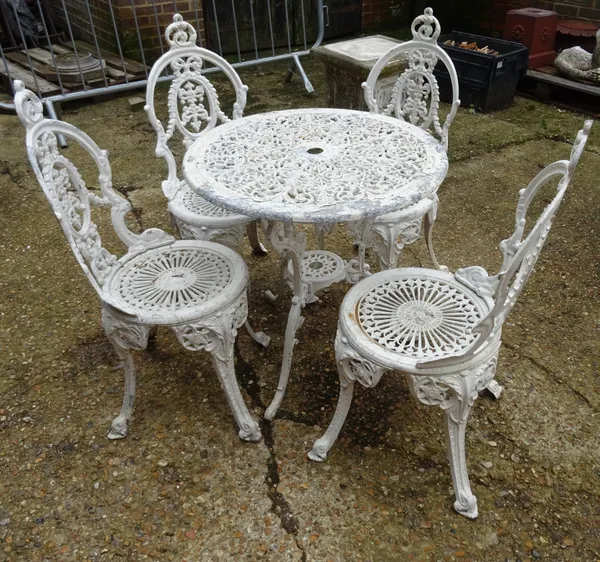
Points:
(347, 66)
(358, 54)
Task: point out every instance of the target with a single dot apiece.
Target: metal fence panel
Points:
(73, 49)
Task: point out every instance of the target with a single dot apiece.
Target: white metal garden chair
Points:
(194, 109)
(443, 330)
(416, 99)
(197, 288)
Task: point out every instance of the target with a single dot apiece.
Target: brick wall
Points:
(152, 19)
(568, 9)
(381, 14)
(574, 9)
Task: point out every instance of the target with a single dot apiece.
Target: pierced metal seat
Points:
(178, 282)
(197, 288)
(194, 108)
(442, 329)
(414, 314)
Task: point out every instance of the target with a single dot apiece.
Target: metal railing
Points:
(37, 43)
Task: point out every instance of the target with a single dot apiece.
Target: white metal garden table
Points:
(321, 166)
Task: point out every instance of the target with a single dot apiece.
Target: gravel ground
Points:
(182, 487)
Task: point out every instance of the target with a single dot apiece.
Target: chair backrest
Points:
(415, 94)
(193, 103)
(520, 255)
(68, 194)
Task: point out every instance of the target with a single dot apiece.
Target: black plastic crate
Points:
(487, 82)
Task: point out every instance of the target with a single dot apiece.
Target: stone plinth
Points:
(347, 65)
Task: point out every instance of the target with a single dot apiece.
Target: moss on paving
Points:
(67, 493)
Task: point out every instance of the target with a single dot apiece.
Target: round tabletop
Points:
(315, 165)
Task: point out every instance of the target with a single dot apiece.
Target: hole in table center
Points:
(315, 150)
(315, 265)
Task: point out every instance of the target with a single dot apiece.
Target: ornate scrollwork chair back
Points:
(519, 255)
(192, 101)
(193, 108)
(67, 193)
(415, 99)
(415, 95)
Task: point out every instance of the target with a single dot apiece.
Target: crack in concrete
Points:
(127, 189)
(279, 505)
(516, 350)
(283, 414)
(410, 251)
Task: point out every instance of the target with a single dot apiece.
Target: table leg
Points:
(272, 231)
(358, 269)
(290, 246)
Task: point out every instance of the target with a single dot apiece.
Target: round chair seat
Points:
(178, 282)
(191, 208)
(404, 316)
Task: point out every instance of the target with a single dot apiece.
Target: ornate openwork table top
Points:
(315, 165)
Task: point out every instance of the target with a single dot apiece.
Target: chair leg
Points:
(259, 337)
(295, 321)
(322, 445)
(495, 389)
(351, 367)
(466, 502)
(224, 366)
(284, 259)
(118, 428)
(360, 231)
(455, 394)
(283, 284)
(125, 337)
(362, 252)
(216, 334)
(257, 247)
